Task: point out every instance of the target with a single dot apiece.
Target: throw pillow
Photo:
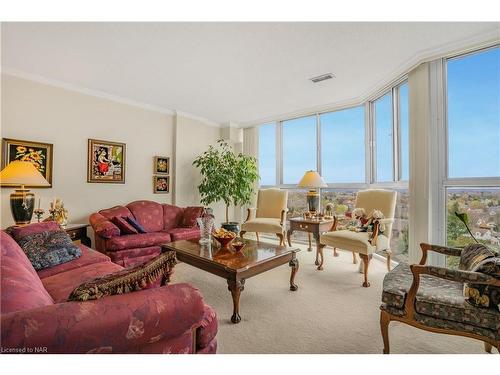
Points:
(190, 215)
(123, 225)
(127, 280)
(135, 224)
(472, 255)
(48, 248)
(485, 295)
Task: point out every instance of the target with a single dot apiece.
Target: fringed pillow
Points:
(127, 280)
(482, 295)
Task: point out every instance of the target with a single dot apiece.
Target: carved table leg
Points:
(354, 259)
(320, 251)
(309, 239)
(318, 244)
(294, 263)
(236, 287)
(288, 237)
(335, 254)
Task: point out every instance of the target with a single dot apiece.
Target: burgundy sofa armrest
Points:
(103, 227)
(115, 324)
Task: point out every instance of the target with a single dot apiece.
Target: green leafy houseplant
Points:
(226, 176)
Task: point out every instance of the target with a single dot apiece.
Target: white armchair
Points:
(364, 243)
(269, 216)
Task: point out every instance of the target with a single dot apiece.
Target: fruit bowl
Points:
(224, 237)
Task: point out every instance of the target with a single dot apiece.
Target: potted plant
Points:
(226, 176)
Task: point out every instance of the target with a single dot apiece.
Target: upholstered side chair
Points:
(269, 215)
(365, 243)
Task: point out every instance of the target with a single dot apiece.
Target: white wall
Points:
(192, 138)
(39, 112)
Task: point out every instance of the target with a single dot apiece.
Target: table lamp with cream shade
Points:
(22, 202)
(312, 181)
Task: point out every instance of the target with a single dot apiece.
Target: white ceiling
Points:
(239, 72)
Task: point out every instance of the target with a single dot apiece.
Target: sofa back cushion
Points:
(172, 216)
(21, 287)
(148, 214)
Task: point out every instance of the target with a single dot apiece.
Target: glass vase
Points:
(206, 224)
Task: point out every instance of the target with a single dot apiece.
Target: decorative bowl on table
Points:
(238, 245)
(224, 237)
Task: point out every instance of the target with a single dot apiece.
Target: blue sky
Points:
(474, 115)
(473, 120)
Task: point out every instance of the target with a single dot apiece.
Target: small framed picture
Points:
(37, 153)
(161, 184)
(106, 162)
(161, 165)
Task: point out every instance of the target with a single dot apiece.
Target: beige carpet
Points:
(330, 313)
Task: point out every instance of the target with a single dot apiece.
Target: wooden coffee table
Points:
(255, 258)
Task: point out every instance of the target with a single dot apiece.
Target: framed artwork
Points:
(106, 162)
(161, 184)
(38, 153)
(162, 165)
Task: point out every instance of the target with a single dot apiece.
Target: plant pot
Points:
(232, 226)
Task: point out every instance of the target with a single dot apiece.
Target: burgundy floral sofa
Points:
(161, 222)
(35, 317)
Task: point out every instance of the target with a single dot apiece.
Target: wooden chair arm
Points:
(376, 230)
(283, 216)
(249, 213)
(451, 251)
(444, 273)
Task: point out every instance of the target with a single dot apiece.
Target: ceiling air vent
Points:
(322, 77)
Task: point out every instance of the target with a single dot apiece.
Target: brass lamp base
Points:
(313, 201)
(22, 203)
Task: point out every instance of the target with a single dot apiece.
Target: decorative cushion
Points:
(138, 227)
(131, 241)
(438, 298)
(485, 295)
(103, 227)
(123, 225)
(190, 215)
(47, 248)
(472, 255)
(88, 257)
(127, 280)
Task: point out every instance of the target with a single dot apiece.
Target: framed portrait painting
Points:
(161, 165)
(161, 184)
(106, 162)
(38, 153)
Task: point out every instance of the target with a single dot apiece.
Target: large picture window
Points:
(383, 137)
(267, 154)
(299, 148)
(473, 148)
(473, 88)
(343, 145)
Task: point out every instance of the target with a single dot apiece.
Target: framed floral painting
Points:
(161, 184)
(106, 162)
(38, 153)
(161, 165)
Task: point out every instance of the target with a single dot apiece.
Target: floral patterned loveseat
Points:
(36, 317)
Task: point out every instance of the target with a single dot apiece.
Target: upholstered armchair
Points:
(365, 243)
(269, 215)
(435, 299)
